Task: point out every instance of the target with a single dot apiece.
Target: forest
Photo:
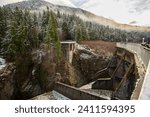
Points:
(22, 31)
(26, 35)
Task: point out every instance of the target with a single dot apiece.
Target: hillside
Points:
(40, 5)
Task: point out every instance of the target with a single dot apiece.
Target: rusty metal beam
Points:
(124, 78)
(121, 59)
(125, 58)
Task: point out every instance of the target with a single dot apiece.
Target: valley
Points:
(46, 47)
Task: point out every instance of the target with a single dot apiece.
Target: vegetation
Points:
(22, 31)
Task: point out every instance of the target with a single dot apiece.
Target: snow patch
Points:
(62, 3)
(90, 52)
(2, 63)
(85, 56)
(53, 95)
(84, 47)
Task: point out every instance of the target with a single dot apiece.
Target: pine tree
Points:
(51, 32)
(65, 32)
(18, 42)
(52, 35)
(79, 35)
(15, 39)
(48, 38)
(58, 14)
(3, 24)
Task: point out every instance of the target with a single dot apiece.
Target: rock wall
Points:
(87, 64)
(7, 82)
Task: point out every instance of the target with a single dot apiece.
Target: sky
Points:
(4, 2)
(123, 11)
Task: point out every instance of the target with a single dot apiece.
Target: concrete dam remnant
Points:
(69, 48)
(142, 57)
(122, 75)
(126, 76)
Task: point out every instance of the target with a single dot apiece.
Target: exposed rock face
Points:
(7, 82)
(87, 63)
(37, 73)
(26, 79)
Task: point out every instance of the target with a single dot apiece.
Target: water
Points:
(53, 95)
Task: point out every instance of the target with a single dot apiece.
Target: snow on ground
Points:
(53, 95)
(84, 47)
(85, 56)
(88, 51)
(2, 63)
(62, 2)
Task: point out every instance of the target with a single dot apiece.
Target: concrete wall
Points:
(68, 50)
(142, 52)
(103, 83)
(75, 93)
(145, 93)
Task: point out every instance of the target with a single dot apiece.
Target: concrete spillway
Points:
(143, 56)
(53, 95)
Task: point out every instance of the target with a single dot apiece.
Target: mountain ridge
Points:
(40, 5)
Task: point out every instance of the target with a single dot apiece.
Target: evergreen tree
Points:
(51, 32)
(79, 35)
(48, 38)
(52, 35)
(15, 45)
(3, 24)
(65, 32)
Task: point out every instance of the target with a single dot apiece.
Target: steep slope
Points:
(62, 2)
(40, 5)
(125, 11)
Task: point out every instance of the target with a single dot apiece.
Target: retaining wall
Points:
(142, 52)
(145, 93)
(75, 93)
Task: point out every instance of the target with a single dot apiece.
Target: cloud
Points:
(123, 11)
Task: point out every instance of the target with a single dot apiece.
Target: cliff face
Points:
(7, 82)
(87, 63)
(18, 81)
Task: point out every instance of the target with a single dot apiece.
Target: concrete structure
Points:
(69, 48)
(143, 53)
(122, 75)
(145, 92)
(127, 75)
(121, 81)
(75, 93)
